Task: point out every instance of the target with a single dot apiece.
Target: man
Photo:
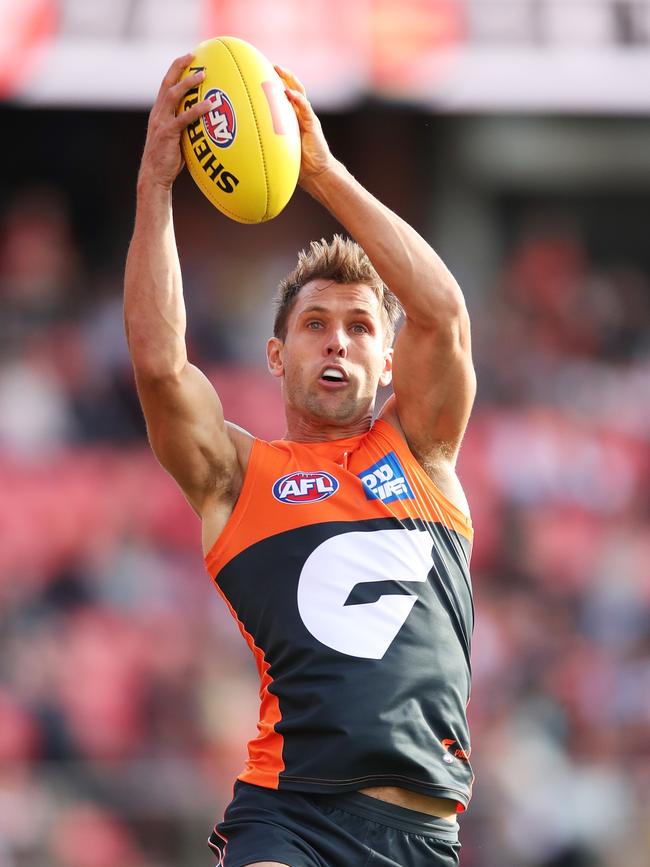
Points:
(342, 550)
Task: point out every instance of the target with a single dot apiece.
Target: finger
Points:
(185, 118)
(178, 90)
(174, 72)
(298, 100)
(289, 78)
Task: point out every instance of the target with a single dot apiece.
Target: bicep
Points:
(187, 432)
(434, 384)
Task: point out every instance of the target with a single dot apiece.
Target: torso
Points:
(214, 520)
(444, 808)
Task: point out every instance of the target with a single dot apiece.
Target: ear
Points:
(274, 356)
(386, 376)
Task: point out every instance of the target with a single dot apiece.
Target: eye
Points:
(359, 328)
(314, 324)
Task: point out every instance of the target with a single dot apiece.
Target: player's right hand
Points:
(162, 159)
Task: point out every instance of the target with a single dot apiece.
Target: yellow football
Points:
(244, 154)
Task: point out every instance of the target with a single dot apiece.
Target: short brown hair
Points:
(342, 261)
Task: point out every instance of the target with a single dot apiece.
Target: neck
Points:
(310, 430)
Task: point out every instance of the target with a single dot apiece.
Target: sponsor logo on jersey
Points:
(458, 753)
(297, 488)
(220, 122)
(386, 480)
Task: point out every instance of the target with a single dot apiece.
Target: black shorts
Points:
(350, 830)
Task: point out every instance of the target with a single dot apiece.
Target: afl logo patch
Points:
(297, 488)
(220, 122)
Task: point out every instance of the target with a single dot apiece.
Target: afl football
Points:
(244, 154)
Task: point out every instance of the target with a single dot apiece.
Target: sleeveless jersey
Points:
(347, 572)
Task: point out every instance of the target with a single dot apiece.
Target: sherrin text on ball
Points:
(244, 154)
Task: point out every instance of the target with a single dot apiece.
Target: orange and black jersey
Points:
(347, 571)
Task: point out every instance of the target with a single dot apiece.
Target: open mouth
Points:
(333, 374)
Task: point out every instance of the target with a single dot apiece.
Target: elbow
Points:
(453, 330)
(444, 313)
(435, 297)
(153, 363)
(156, 342)
(157, 370)
(154, 358)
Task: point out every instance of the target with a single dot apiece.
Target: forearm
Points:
(154, 310)
(403, 259)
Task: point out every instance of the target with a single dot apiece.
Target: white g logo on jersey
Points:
(339, 564)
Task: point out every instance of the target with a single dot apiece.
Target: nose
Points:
(337, 343)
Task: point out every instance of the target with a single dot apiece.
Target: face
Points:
(335, 354)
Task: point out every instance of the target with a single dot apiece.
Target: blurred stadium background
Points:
(515, 135)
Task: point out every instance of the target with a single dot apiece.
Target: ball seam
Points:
(257, 129)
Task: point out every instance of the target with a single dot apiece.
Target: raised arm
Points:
(184, 416)
(433, 376)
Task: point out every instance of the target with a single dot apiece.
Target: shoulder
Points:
(437, 466)
(255, 455)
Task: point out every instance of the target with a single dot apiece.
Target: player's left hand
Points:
(316, 155)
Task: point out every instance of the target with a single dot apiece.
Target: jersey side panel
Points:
(264, 764)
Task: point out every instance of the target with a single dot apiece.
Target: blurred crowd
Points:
(127, 695)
